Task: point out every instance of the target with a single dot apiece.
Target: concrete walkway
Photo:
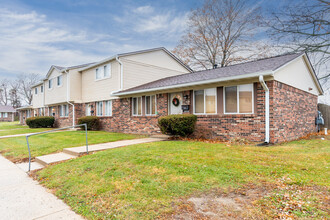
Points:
(70, 153)
(23, 198)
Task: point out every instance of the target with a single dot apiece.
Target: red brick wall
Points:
(292, 112)
(123, 121)
(67, 121)
(292, 115)
(8, 118)
(228, 126)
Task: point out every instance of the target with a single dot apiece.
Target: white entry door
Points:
(175, 103)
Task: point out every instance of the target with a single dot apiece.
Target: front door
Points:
(175, 103)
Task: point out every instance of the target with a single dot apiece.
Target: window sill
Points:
(96, 80)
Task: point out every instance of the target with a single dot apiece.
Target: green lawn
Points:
(15, 148)
(10, 125)
(151, 180)
(11, 128)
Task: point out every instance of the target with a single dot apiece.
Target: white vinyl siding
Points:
(137, 106)
(108, 108)
(205, 101)
(238, 99)
(99, 108)
(150, 105)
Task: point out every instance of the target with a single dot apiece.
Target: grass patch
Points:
(11, 128)
(146, 181)
(11, 125)
(15, 149)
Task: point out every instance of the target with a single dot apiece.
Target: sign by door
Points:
(175, 103)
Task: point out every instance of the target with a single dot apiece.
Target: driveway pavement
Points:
(23, 198)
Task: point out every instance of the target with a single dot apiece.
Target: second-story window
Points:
(41, 89)
(36, 91)
(103, 72)
(59, 80)
(50, 83)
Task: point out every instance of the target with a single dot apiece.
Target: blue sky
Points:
(35, 34)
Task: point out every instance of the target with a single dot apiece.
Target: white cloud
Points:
(146, 20)
(30, 43)
(144, 10)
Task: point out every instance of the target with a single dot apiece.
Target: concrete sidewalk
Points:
(23, 198)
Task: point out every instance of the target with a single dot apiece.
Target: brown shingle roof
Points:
(262, 65)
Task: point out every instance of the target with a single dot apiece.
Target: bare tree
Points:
(4, 92)
(14, 96)
(218, 33)
(26, 81)
(305, 27)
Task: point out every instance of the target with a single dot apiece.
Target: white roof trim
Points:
(251, 75)
(137, 52)
(50, 70)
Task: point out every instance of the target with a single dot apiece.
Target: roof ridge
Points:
(255, 60)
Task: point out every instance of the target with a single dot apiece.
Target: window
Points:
(51, 111)
(64, 110)
(61, 111)
(59, 80)
(41, 89)
(35, 91)
(137, 106)
(28, 114)
(239, 99)
(107, 71)
(0, 114)
(5, 114)
(103, 72)
(108, 108)
(151, 105)
(99, 108)
(88, 110)
(50, 83)
(39, 111)
(205, 101)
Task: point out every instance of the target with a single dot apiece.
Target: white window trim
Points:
(216, 102)
(237, 113)
(145, 105)
(133, 106)
(61, 81)
(102, 77)
(105, 112)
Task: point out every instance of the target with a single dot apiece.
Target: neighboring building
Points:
(73, 92)
(271, 100)
(7, 113)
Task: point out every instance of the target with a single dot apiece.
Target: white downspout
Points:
(121, 76)
(261, 80)
(67, 96)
